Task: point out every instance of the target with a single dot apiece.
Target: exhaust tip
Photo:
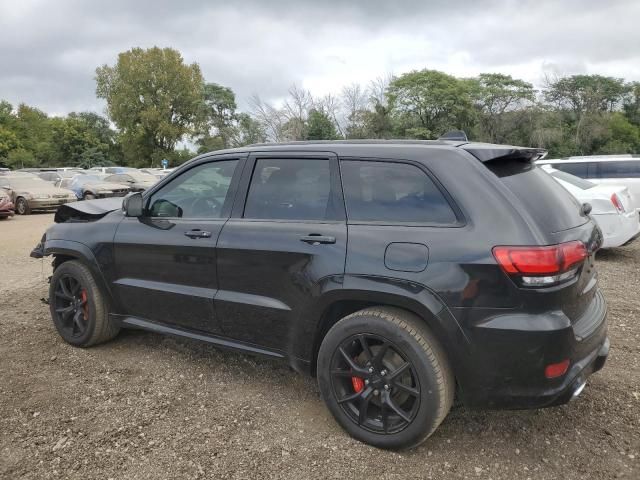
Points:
(578, 390)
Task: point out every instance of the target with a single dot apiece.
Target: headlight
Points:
(105, 191)
(40, 196)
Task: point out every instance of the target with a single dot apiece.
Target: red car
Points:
(6, 205)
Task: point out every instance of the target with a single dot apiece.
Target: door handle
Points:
(316, 238)
(197, 234)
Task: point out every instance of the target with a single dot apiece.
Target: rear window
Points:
(581, 183)
(625, 169)
(550, 205)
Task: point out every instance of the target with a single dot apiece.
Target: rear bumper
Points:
(511, 352)
(618, 229)
(6, 208)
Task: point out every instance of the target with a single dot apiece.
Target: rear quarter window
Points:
(552, 207)
(390, 192)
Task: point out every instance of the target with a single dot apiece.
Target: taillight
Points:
(617, 203)
(541, 266)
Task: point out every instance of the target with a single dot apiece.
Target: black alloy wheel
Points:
(71, 306)
(375, 384)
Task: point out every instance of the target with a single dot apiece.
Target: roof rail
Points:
(455, 135)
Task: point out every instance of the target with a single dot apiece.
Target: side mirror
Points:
(585, 209)
(132, 205)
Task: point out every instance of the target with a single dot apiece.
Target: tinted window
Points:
(549, 204)
(198, 193)
(577, 169)
(630, 169)
(289, 190)
(392, 192)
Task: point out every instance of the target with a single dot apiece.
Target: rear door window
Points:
(552, 207)
(393, 193)
(619, 169)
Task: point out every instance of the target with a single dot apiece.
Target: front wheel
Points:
(385, 378)
(79, 308)
(22, 206)
(88, 196)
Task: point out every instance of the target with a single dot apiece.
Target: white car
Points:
(612, 206)
(603, 170)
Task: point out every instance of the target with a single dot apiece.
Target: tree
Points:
(430, 102)
(219, 104)
(584, 98)
(320, 126)
(586, 93)
(8, 141)
(494, 94)
(154, 98)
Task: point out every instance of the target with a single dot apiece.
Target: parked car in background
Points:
(612, 206)
(4, 171)
(6, 205)
(467, 270)
(604, 170)
(136, 180)
(56, 176)
(88, 187)
(160, 173)
(113, 170)
(30, 193)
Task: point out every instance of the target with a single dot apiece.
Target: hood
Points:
(44, 190)
(104, 186)
(87, 210)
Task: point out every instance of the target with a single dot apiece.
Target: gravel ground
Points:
(146, 406)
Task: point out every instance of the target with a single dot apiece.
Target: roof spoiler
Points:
(455, 135)
(486, 152)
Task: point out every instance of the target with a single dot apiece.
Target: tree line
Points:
(159, 107)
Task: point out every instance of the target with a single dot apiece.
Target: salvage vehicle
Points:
(400, 273)
(6, 205)
(58, 175)
(612, 207)
(136, 181)
(89, 187)
(29, 193)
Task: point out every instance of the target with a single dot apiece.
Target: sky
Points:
(49, 50)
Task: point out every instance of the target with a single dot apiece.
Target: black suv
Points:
(400, 273)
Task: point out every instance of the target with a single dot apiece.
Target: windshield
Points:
(581, 183)
(82, 179)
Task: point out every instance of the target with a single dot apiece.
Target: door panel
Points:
(165, 261)
(271, 267)
(268, 276)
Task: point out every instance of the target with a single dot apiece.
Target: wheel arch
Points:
(421, 302)
(66, 250)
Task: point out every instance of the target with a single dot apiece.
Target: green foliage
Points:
(20, 158)
(154, 98)
(8, 141)
(320, 126)
(494, 95)
(430, 101)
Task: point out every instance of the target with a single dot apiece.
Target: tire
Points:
(93, 324)
(22, 206)
(428, 378)
(88, 196)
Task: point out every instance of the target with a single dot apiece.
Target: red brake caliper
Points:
(85, 305)
(358, 384)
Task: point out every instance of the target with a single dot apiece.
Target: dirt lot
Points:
(146, 406)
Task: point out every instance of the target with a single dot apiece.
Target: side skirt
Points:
(139, 323)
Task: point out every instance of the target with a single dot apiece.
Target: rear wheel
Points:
(79, 309)
(385, 378)
(22, 206)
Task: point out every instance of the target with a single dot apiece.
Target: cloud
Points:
(50, 50)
